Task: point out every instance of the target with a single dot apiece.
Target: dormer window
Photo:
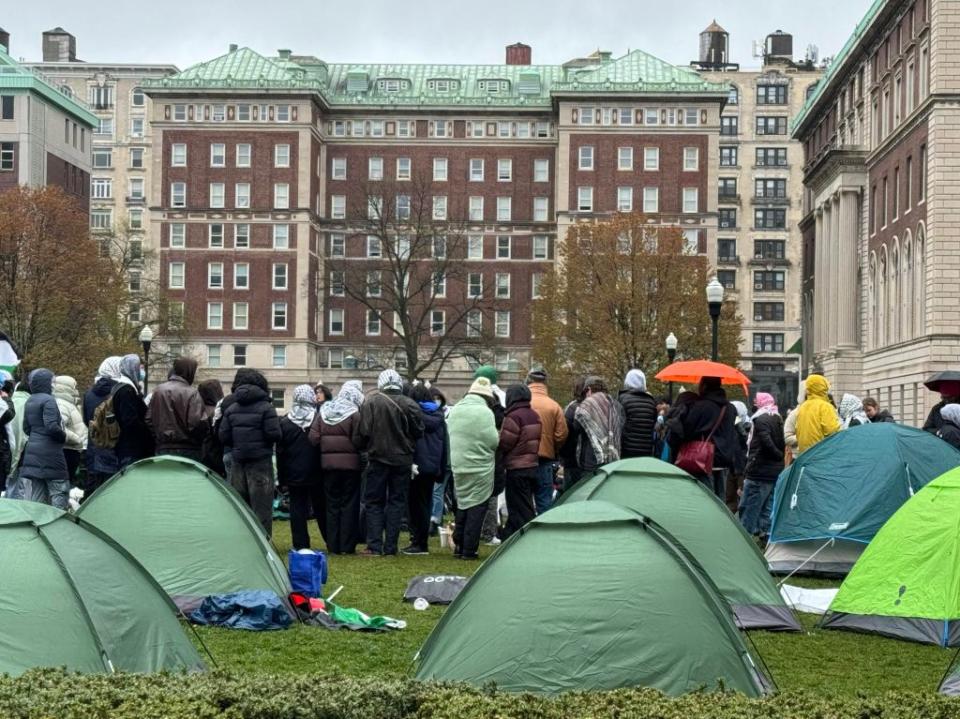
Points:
(392, 85)
(494, 87)
(442, 86)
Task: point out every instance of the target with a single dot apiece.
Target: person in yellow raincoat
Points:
(817, 418)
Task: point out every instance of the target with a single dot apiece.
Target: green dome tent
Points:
(189, 529)
(703, 525)
(590, 596)
(905, 585)
(71, 597)
(829, 504)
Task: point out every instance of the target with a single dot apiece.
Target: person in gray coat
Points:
(44, 468)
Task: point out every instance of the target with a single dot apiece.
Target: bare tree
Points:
(413, 280)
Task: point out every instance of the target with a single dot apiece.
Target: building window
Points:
(771, 157)
(503, 247)
(536, 283)
(244, 155)
(476, 209)
(651, 116)
(769, 281)
(586, 115)
(217, 192)
(439, 247)
(771, 94)
(339, 171)
(281, 155)
(922, 179)
(218, 154)
(277, 398)
(135, 219)
(439, 284)
(727, 278)
(728, 157)
(215, 275)
(439, 207)
(335, 359)
(213, 355)
(281, 195)
(374, 246)
(729, 126)
(214, 315)
(438, 323)
(770, 219)
(651, 158)
(727, 188)
(624, 199)
(504, 209)
(727, 218)
(771, 125)
(767, 342)
(241, 316)
(475, 247)
(726, 250)
(280, 276)
(474, 285)
(541, 209)
(283, 113)
(585, 199)
(218, 113)
(476, 170)
(651, 199)
(176, 276)
(178, 235)
(337, 283)
(541, 170)
(239, 355)
(279, 316)
(281, 237)
(101, 219)
(403, 207)
(474, 323)
(242, 195)
(178, 155)
(335, 322)
(502, 285)
(373, 323)
(691, 201)
(215, 231)
(405, 128)
(241, 236)
(439, 169)
(770, 189)
(338, 245)
(279, 356)
(504, 170)
(769, 249)
(768, 311)
(136, 188)
(733, 97)
(691, 159)
(105, 127)
(101, 188)
(6, 107)
(624, 158)
(502, 323)
(136, 158)
(403, 168)
(102, 157)
(179, 113)
(541, 247)
(375, 168)
(586, 157)
(241, 276)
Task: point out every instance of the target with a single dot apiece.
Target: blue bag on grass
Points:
(257, 610)
(308, 571)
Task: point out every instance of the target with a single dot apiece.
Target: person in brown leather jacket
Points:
(520, 444)
(175, 414)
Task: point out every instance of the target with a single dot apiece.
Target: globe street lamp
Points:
(715, 302)
(671, 353)
(146, 338)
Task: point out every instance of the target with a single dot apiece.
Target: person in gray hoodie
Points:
(44, 467)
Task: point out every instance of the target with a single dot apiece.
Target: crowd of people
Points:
(364, 465)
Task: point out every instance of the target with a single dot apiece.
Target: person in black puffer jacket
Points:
(764, 464)
(44, 467)
(568, 453)
(641, 410)
(698, 422)
(432, 461)
(250, 427)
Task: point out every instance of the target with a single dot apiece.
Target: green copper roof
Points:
(439, 85)
(838, 60)
(16, 77)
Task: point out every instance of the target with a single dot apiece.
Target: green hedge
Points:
(48, 694)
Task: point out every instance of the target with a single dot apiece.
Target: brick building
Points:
(121, 141)
(270, 170)
(881, 248)
(45, 132)
(758, 254)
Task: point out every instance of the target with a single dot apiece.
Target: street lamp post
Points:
(715, 302)
(671, 353)
(146, 338)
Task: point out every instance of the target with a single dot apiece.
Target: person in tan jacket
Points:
(553, 434)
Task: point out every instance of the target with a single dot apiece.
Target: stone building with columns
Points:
(881, 249)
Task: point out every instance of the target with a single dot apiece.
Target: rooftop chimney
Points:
(518, 54)
(59, 46)
(284, 54)
(5, 40)
(233, 47)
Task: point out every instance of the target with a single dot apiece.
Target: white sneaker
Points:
(494, 542)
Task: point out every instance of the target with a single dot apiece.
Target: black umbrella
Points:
(933, 384)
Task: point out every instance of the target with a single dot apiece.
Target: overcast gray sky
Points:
(184, 32)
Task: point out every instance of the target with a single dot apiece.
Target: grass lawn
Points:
(828, 662)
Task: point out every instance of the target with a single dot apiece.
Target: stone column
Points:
(818, 283)
(847, 300)
(837, 280)
(825, 276)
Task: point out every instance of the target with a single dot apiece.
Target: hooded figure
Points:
(211, 392)
(765, 460)
(851, 411)
(44, 468)
(519, 445)
(332, 432)
(712, 418)
(949, 394)
(431, 462)
(298, 466)
(816, 417)
(950, 424)
(599, 424)
(640, 409)
(65, 392)
(8, 437)
(176, 413)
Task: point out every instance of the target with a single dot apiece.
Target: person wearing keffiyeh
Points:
(599, 421)
(851, 411)
(298, 466)
(765, 455)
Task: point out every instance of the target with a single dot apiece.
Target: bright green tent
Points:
(591, 596)
(190, 530)
(703, 525)
(69, 596)
(906, 583)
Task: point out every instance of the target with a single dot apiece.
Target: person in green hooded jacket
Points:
(473, 445)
